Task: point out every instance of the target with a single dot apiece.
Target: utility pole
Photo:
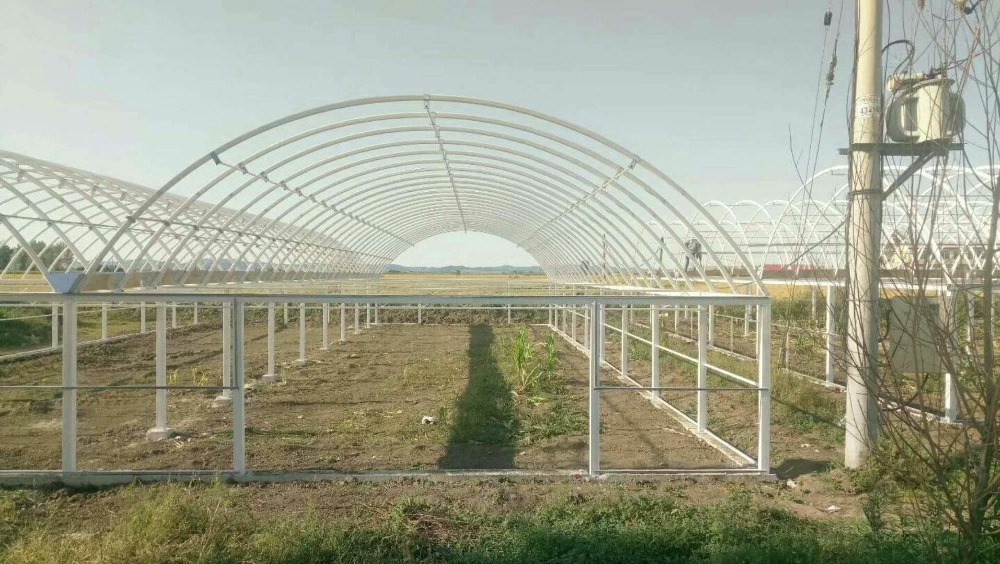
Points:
(863, 237)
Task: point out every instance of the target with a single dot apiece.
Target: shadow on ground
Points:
(484, 427)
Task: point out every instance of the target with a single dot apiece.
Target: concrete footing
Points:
(155, 434)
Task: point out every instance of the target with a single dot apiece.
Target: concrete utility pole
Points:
(863, 234)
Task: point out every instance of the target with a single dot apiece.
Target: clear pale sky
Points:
(706, 91)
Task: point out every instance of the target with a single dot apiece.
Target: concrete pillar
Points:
(302, 334)
(764, 383)
(654, 353)
(69, 395)
(160, 431)
(343, 323)
(702, 369)
(711, 325)
(104, 322)
(626, 315)
(227, 356)
(55, 325)
(326, 327)
(829, 336)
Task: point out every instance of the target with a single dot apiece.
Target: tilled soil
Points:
(355, 407)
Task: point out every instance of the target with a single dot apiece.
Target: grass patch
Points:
(540, 390)
(181, 523)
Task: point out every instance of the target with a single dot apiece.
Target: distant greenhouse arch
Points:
(341, 190)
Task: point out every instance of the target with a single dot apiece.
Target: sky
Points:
(709, 92)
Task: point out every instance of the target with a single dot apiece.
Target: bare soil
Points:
(357, 406)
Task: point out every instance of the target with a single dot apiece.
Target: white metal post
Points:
(711, 325)
(343, 323)
(239, 407)
(949, 321)
(764, 383)
(160, 431)
(746, 321)
(357, 319)
(594, 415)
(55, 325)
(173, 316)
(69, 386)
(814, 302)
(625, 326)
(830, 328)
(376, 308)
(508, 314)
(194, 314)
(326, 327)
(302, 333)
(286, 312)
(227, 354)
(654, 352)
(950, 398)
(271, 375)
(573, 325)
(420, 314)
(702, 369)
(104, 322)
(368, 315)
(142, 317)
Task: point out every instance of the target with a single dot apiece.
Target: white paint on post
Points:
(376, 308)
(194, 313)
(573, 326)
(830, 327)
(343, 323)
(711, 325)
(326, 327)
(160, 431)
(654, 353)
(173, 316)
(420, 314)
(239, 405)
(69, 387)
(368, 315)
(594, 413)
(950, 398)
(357, 319)
(764, 394)
(227, 355)
(142, 317)
(271, 375)
(626, 315)
(814, 301)
(702, 369)
(302, 333)
(508, 314)
(55, 325)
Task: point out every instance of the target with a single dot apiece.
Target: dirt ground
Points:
(357, 406)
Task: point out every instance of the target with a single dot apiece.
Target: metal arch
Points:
(631, 266)
(361, 135)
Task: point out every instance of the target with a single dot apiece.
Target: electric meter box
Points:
(924, 111)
